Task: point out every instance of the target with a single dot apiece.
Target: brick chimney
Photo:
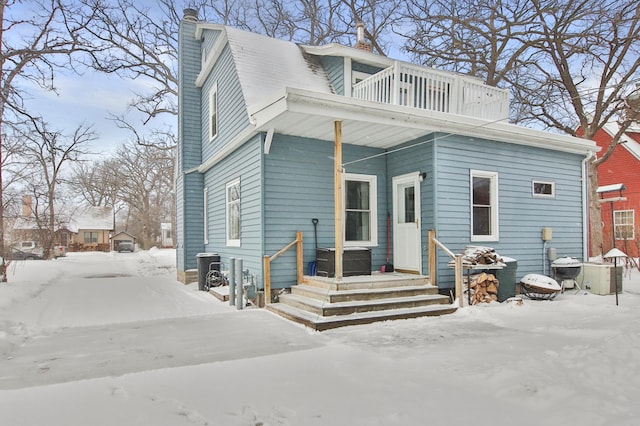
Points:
(190, 15)
(27, 206)
(360, 41)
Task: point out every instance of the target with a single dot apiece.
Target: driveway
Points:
(92, 315)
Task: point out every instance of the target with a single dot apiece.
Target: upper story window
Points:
(360, 193)
(543, 189)
(484, 206)
(233, 213)
(213, 112)
(623, 224)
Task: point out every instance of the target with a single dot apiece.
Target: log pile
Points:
(477, 255)
(484, 288)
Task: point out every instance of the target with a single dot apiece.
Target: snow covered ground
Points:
(113, 339)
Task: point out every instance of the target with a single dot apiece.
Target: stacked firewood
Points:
(477, 255)
(484, 288)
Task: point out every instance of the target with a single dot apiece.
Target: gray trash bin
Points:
(507, 279)
(204, 262)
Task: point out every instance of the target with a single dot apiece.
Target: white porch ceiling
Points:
(309, 114)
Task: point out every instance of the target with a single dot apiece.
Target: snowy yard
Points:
(113, 339)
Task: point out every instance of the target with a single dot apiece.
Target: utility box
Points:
(600, 278)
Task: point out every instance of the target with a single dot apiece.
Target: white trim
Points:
(276, 111)
(214, 103)
(238, 141)
(398, 242)
(544, 182)
(373, 209)
(632, 224)
(232, 242)
(212, 56)
(359, 55)
(347, 71)
(268, 140)
(206, 215)
(494, 222)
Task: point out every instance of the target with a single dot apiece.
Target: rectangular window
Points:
(213, 112)
(90, 237)
(623, 222)
(233, 213)
(484, 206)
(360, 201)
(206, 215)
(543, 189)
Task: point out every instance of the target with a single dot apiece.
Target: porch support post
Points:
(433, 278)
(337, 196)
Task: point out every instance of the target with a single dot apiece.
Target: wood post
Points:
(299, 252)
(432, 258)
(337, 196)
(459, 280)
(266, 264)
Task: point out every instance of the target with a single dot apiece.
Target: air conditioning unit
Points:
(600, 278)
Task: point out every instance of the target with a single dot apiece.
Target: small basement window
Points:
(544, 189)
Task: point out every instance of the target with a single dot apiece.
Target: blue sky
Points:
(89, 99)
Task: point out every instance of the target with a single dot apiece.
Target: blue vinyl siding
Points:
(232, 113)
(521, 216)
(334, 67)
(188, 208)
(299, 187)
(244, 163)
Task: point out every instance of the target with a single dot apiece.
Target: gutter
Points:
(585, 206)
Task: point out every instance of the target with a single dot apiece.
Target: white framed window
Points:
(543, 189)
(205, 215)
(232, 202)
(213, 112)
(360, 212)
(484, 206)
(623, 221)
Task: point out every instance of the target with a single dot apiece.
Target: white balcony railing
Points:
(433, 90)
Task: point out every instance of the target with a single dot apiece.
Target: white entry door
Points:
(407, 251)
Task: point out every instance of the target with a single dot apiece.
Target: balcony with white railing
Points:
(430, 89)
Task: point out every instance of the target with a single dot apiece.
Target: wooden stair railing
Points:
(266, 261)
(433, 244)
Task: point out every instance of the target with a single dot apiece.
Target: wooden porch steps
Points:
(321, 303)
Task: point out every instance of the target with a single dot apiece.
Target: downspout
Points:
(585, 206)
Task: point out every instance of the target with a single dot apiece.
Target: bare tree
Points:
(96, 182)
(36, 39)
(570, 64)
(145, 187)
(49, 152)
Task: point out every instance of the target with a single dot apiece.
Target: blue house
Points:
(420, 149)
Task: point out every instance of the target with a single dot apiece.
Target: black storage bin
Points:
(355, 261)
(206, 261)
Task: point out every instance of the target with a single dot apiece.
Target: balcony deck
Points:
(430, 89)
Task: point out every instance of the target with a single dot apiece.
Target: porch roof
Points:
(304, 113)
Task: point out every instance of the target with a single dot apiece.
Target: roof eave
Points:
(336, 107)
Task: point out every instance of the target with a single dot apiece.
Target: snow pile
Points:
(111, 339)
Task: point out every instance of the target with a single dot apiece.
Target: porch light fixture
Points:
(422, 176)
